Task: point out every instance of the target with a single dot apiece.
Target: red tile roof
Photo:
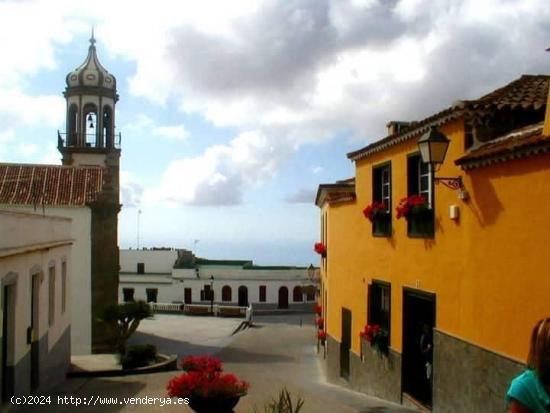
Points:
(519, 143)
(527, 92)
(25, 184)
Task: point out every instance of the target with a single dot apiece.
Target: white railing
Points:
(217, 309)
(166, 307)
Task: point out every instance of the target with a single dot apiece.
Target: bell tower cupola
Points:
(91, 97)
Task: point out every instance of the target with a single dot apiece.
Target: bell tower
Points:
(91, 98)
(90, 140)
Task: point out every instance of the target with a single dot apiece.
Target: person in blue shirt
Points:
(530, 391)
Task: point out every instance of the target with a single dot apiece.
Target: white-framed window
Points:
(425, 181)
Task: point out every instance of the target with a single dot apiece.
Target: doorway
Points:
(243, 296)
(187, 296)
(33, 333)
(345, 347)
(8, 326)
(283, 297)
(418, 322)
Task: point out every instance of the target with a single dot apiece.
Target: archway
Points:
(283, 297)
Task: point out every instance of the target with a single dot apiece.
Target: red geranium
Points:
(369, 332)
(201, 363)
(408, 204)
(320, 248)
(318, 309)
(322, 335)
(206, 384)
(372, 210)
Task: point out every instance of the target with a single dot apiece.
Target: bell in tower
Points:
(91, 98)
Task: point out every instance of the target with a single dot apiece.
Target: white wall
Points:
(157, 261)
(31, 244)
(80, 269)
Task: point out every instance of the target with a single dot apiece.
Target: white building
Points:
(35, 258)
(177, 276)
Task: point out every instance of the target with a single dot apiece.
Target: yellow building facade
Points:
(474, 273)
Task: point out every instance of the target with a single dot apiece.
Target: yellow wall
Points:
(487, 270)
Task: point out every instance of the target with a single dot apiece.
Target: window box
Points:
(420, 223)
(381, 224)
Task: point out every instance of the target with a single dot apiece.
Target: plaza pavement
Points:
(278, 351)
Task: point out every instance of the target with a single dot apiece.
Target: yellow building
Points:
(465, 270)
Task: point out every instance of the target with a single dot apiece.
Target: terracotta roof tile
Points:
(519, 143)
(24, 184)
(527, 92)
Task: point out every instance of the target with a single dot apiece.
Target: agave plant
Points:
(283, 404)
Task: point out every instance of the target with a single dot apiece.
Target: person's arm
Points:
(517, 407)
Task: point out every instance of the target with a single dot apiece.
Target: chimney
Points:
(395, 126)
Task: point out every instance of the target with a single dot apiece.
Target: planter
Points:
(381, 224)
(213, 404)
(421, 223)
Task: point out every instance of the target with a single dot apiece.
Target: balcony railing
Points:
(90, 140)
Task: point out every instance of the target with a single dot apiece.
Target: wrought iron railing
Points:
(68, 140)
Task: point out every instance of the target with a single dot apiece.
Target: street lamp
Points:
(433, 147)
(212, 294)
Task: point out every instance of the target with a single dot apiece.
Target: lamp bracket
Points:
(452, 183)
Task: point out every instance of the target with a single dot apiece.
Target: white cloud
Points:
(316, 170)
(27, 149)
(223, 173)
(130, 190)
(144, 124)
(177, 132)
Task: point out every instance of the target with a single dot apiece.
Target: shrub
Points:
(138, 356)
(283, 404)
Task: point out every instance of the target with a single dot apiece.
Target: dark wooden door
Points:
(187, 296)
(34, 333)
(283, 297)
(243, 296)
(418, 317)
(345, 346)
(7, 341)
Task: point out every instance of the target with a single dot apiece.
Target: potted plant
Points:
(377, 213)
(377, 337)
(206, 388)
(320, 249)
(416, 210)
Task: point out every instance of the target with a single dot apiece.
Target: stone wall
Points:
(468, 378)
(377, 375)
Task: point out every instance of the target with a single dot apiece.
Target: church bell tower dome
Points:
(91, 73)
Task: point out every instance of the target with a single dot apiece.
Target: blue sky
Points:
(232, 113)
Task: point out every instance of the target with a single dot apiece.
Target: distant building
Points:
(177, 276)
(86, 189)
(35, 280)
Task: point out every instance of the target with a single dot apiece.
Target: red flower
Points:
(406, 205)
(204, 384)
(371, 210)
(318, 309)
(322, 335)
(369, 333)
(319, 248)
(201, 363)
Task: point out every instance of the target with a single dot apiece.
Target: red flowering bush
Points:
(320, 248)
(320, 322)
(318, 309)
(375, 210)
(201, 363)
(411, 204)
(204, 378)
(377, 337)
(322, 336)
(206, 384)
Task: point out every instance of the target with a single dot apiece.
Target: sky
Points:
(233, 112)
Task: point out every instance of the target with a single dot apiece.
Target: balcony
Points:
(90, 140)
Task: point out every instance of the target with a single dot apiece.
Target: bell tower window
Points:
(108, 126)
(90, 126)
(72, 125)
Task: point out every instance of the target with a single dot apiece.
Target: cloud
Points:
(130, 190)
(316, 170)
(303, 196)
(222, 174)
(144, 124)
(178, 132)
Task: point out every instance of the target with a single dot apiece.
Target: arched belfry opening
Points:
(108, 126)
(72, 125)
(91, 136)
